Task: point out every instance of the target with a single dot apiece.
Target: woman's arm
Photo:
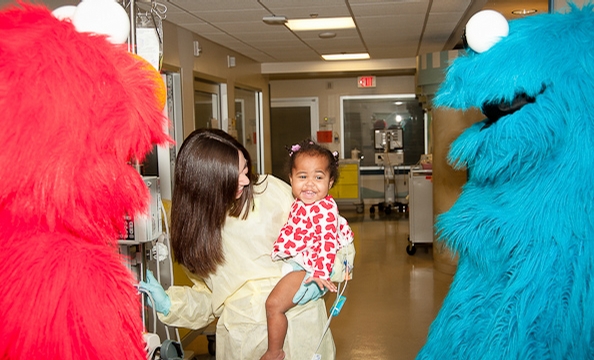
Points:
(191, 307)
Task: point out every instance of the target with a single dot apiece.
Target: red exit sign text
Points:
(366, 81)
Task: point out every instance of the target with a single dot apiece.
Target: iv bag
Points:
(149, 34)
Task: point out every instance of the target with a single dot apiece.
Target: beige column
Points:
(561, 5)
(447, 183)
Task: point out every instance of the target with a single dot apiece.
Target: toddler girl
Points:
(310, 238)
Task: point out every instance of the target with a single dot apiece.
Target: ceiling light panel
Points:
(358, 56)
(320, 24)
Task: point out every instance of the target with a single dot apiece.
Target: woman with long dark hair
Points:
(224, 220)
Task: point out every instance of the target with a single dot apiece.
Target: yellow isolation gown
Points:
(236, 294)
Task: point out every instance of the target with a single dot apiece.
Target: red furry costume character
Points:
(75, 110)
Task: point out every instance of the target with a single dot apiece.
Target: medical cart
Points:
(388, 144)
(348, 187)
(420, 204)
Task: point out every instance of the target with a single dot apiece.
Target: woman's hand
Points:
(162, 302)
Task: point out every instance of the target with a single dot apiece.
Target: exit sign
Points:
(366, 81)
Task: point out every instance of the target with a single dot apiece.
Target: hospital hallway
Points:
(392, 298)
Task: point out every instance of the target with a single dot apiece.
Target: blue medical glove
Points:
(307, 292)
(162, 302)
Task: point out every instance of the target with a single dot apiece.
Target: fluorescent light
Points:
(359, 56)
(321, 24)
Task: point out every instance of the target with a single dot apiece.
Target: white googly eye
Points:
(105, 17)
(485, 29)
(64, 12)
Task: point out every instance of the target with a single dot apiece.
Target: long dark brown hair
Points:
(205, 189)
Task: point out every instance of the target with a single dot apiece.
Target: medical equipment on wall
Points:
(389, 144)
(389, 153)
(146, 244)
(141, 228)
(157, 258)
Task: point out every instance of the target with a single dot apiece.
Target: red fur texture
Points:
(75, 110)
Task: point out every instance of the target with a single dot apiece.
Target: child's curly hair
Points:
(310, 148)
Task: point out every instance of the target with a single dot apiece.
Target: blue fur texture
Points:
(523, 226)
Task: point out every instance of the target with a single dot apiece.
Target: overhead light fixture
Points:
(524, 11)
(274, 20)
(321, 24)
(357, 56)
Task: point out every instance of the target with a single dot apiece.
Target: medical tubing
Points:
(148, 293)
(142, 297)
(159, 280)
(338, 295)
(167, 239)
(168, 243)
(141, 271)
(327, 326)
(157, 260)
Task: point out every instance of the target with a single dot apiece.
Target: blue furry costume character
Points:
(524, 224)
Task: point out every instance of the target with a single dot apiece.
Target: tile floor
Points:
(393, 297)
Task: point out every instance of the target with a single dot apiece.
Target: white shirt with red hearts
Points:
(311, 237)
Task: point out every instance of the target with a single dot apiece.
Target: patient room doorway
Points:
(291, 121)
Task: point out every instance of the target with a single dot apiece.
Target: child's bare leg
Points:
(278, 303)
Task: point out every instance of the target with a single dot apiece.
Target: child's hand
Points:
(322, 283)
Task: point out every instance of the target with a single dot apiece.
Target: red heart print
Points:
(289, 244)
(327, 205)
(319, 264)
(316, 218)
(299, 234)
(288, 230)
(308, 224)
(301, 211)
